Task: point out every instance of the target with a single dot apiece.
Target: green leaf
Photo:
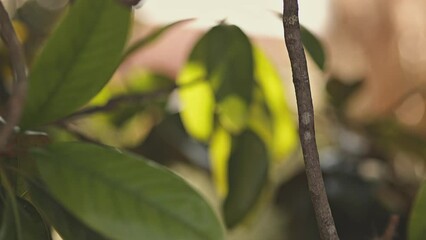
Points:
(168, 142)
(219, 151)
(77, 61)
(284, 131)
(26, 225)
(222, 58)
(417, 224)
(124, 197)
(68, 226)
(247, 174)
(141, 43)
(313, 46)
(198, 102)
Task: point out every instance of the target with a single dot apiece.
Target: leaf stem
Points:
(19, 91)
(305, 107)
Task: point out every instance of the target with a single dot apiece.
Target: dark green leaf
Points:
(417, 224)
(340, 92)
(68, 226)
(168, 141)
(26, 225)
(125, 197)
(247, 173)
(151, 38)
(313, 46)
(77, 61)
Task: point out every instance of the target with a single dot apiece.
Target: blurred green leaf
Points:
(247, 174)
(141, 43)
(168, 141)
(68, 226)
(284, 132)
(140, 82)
(340, 92)
(390, 135)
(26, 225)
(124, 197)
(223, 60)
(77, 61)
(198, 104)
(219, 151)
(313, 46)
(417, 224)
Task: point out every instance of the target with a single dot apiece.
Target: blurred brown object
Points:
(383, 42)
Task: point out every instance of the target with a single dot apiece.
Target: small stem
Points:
(119, 100)
(305, 107)
(19, 91)
(391, 229)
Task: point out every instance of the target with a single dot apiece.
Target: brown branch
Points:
(299, 68)
(19, 91)
(390, 230)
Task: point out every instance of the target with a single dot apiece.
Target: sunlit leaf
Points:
(223, 58)
(219, 149)
(417, 224)
(198, 102)
(247, 172)
(122, 196)
(284, 133)
(68, 226)
(141, 43)
(77, 61)
(26, 225)
(313, 46)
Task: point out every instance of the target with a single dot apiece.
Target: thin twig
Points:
(17, 59)
(299, 68)
(113, 103)
(390, 230)
(80, 136)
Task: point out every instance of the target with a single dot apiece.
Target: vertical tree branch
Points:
(19, 91)
(299, 68)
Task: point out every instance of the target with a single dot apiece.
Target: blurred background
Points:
(369, 101)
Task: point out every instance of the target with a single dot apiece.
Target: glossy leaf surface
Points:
(77, 61)
(122, 196)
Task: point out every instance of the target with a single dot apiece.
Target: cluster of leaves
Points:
(232, 102)
(233, 121)
(87, 191)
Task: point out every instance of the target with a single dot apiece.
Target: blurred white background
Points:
(253, 16)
